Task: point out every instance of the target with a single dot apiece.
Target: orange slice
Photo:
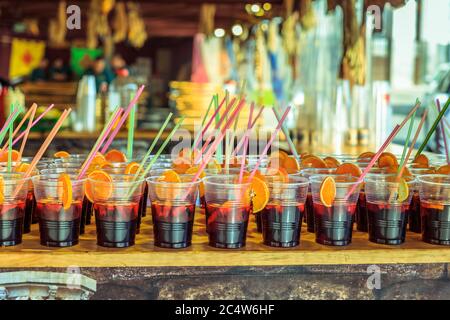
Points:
(169, 176)
(115, 155)
(213, 164)
(327, 191)
(366, 155)
(394, 169)
(2, 190)
(14, 156)
(291, 165)
(259, 193)
(103, 190)
(61, 154)
(387, 159)
(279, 154)
(313, 162)
(201, 187)
(331, 162)
(445, 169)
(132, 168)
(422, 160)
(23, 167)
(163, 192)
(403, 190)
(98, 160)
(66, 195)
(180, 165)
(280, 172)
(349, 168)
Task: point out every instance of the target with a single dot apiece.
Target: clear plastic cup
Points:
(434, 190)
(173, 210)
(333, 225)
(12, 208)
(228, 207)
(59, 225)
(283, 214)
(387, 215)
(116, 208)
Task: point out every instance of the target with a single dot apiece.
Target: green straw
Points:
(158, 153)
(216, 105)
(10, 129)
(204, 119)
(153, 145)
(3, 134)
(408, 136)
(433, 128)
(131, 124)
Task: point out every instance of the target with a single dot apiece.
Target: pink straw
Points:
(208, 124)
(266, 148)
(374, 160)
(241, 142)
(122, 119)
(87, 163)
(247, 133)
(438, 103)
(34, 123)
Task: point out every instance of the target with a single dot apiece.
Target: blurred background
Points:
(350, 69)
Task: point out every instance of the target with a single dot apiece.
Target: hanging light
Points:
(237, 30)
(255, 8)
(219, 32)
(267, 6)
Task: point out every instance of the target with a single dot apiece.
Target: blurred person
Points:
(119, 66)
(40, 73)
(58, 71)
(102, 72)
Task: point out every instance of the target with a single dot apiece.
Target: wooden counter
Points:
(145, 254)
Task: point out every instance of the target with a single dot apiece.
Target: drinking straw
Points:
(272, 138)
(131, 123)
(153, 144)
(10, 129)
(405, 147)
(241, 142)
(106, 130)
(12, 117)
(158, 153)
(286, 133)
(27, 130)
(411, 147)
(203, 121)
(19, 126)
(34, 122)
(216, 112)
(247, 133)
(438, 104)
(122, 119)
(433, 127)
(217, 120)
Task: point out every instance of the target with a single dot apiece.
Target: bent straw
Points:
(244, 153)
(153, 145)
(266, 148)
(438, 104)
(158, 153)
(19, 126)
(286, 133)
(408, 136)
(34, 122)
(99, 142)
(373, 161)
(433, 127)
(241, 142)
(122, 119)
(411, 147)
(214, 115)
(203, 121)
(27, 130)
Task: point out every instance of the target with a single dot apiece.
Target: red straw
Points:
(266, 148)
(208, 124)
(122, 119)
(241, 142)
(438, 104)
(247, 133)
(94, 151)
(411, 147)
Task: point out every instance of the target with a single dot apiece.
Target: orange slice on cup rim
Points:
(422, 161)
(331, 162)
(193, 170)
(61, 154)
(169, 175)
(99, 184)
(279, 154)
(132, 168)
(327, 191)
(280, 172)
(15, 155)
(445, 169)
(2, 190)
(115, 155)
(291, 165)
(22, 167)
(258, 193)
(349, 168)
(387, 159)
(67, 194)
(313, 162)
(366, 155)
(180, 165)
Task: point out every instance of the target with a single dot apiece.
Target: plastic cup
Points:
(12, 208)
(283, 214)
(228, 207)
(116, 208)
(58, 226)
(387, 216)
(309, 207)
(434, 190)
(333, 225)
(173, 210)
